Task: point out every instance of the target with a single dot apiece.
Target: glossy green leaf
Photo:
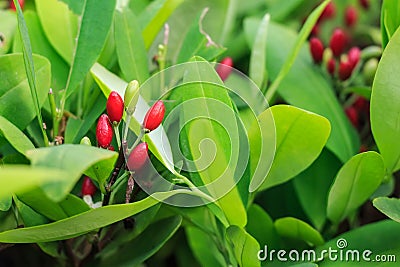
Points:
(75, 160)
(154, 26)
(94, 26)
(380, 238)
(301, 135)
(133, 254)
(388, 206)
(75, 6)
(245, 247)
(261, 226)
(312, 187)
(302, 90)
(8, 27)
(385, 111)
(29, 216)
(356, 181)
(297, 229)
(15, 97)
(54, 14)
(131, 52)
(5, 203)
(390, 19)
(212, 138)
(257, 69)
(20, 178)
(14, 136)
(41, 46)
(157, 140)
(78, 224)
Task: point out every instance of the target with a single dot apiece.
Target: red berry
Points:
(315, 30)
(317, 50)
(350, 16)
(337, 42)
(352, 114)
(138, 157)
(345, 70)
(13, 7)
(331, 66)
(154, 116)
(364, 4)
(104, 131)
(115, 107)
(354, 55)
(111, 148)
(224, 69)
(329, 12)
(88, 187)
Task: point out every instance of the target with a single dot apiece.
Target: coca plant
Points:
(127, 138)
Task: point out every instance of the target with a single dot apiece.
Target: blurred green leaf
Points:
(75, 5)
(131, 51)
(74, 160)
(390, 19)
(78, 224)
(356, 181)
(5, 203)
(291, 156)
(53, 15)
(385, 110)
(94, 27)
(388, 206)
(297, 229)
(245, 247)
(16, 103)
(14, 136)
(8, 26)
(29, 216)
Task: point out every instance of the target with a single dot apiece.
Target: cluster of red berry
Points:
(110, 121)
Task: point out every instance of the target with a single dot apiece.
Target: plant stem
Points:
(116, 131)
(53, 109)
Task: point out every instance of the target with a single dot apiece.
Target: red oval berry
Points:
(345, 70)
(21, 3)
(364, 4)
(224, 68)
(329, 12)
(331, 66)
(138, 157)
(316, 49)
(337, 42)
(354, 55)
(350, 16)
(88, 187)
(115, 107)
(104, 131)
(352, 114)
(154, 116)
(315, 30)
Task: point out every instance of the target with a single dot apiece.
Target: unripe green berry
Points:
(369, 70)
(131, 96)
(86, 141)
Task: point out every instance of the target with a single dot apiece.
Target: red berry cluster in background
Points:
(224, 68)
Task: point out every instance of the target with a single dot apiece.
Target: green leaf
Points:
(377, 237)
(257, 69)
(157, 140)
(388, 206)
(312, 187)
(131, 51)
(19, 178)
(245, 247)
(41, 46)
(356, 181)
(133, 254)
(74, 160)
(14, 136)
(15, 97)
(302, 90)
(385, 111)
(153, 27)
(390, 19)
(75, 5)
(212, 135)
(53, 15)
(8, 26)
(29, 216)
(93, 31)
(297, 229)
(5, 203)
(301, 136)
(78, 225)
(301, 38)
